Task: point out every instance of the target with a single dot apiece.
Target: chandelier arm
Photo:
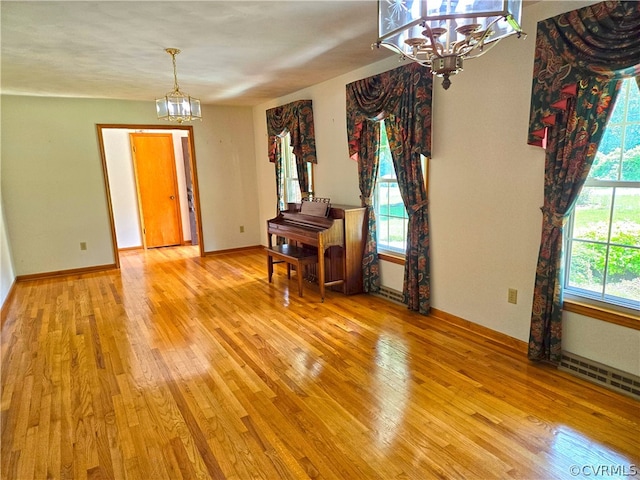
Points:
(460, 46)
(434, 44)
(481, 51)
(404, 55)
(485, 35)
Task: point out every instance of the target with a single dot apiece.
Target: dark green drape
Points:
(403, 98)
(368, 165)
(580, 57)
(571, 148)
(601, 40)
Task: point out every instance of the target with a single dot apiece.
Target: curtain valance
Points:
(297, 119)
(404, 94)
(601, 40)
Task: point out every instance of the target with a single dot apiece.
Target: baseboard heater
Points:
(604, 375)
(609, 377)
(390, 294)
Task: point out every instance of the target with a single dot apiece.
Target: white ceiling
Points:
(233, 52)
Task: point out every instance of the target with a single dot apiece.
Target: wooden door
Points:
(155, 169)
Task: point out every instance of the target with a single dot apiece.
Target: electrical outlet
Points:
(241, 228)
(83, 245)
(513, 296)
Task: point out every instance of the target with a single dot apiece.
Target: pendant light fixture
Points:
(176, 105)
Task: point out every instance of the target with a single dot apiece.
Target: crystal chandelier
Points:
(441, 34)
(176, 105)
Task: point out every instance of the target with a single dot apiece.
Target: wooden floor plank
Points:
(177, 366)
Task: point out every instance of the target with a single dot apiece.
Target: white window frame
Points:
(600, 299)
(386, 250)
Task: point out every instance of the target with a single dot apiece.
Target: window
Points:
(391, 216)
(603, 238)
(290, 187)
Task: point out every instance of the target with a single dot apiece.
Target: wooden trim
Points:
(138, 126)
(194, 176)
(63, 273)
(126, 249)
(4, 310)
(493, 335)
(196, 189)
(391, 258)
(601, 313)
(107, 189)
(234, 250)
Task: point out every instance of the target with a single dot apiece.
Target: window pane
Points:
(633, 108)
(390, 212)
(383, 199)
(591, 220)
(397, 232)
(289, 185)
(626, 217)
(623, 272)
(587, 266)
(607, 161)
(618, 110)
(631, 155)
(396, 206)
(383, 231)
(385, 168)
(292, 192)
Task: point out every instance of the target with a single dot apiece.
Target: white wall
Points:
(53, 186)
(7, 274)
(485, 191)
(122, 184)
(227, 178)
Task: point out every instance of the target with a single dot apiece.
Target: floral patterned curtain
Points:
(580, 57)
(402, 97)
(368, 165)
(297, 119)
(279, 179)
(601, 40)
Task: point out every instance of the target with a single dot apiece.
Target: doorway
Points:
(126, 213)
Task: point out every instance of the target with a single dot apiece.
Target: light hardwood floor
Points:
(184, 367)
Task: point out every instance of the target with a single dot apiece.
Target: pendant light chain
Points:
(176, 87)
